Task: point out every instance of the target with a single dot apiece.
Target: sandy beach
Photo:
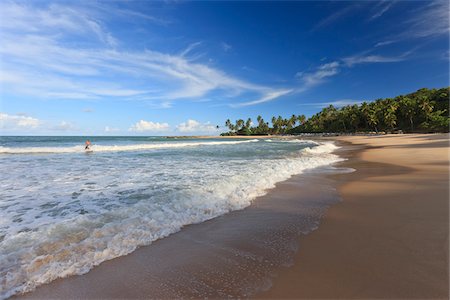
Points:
(389, 236)
(386, 238)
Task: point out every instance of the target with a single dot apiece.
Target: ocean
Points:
(64, 211)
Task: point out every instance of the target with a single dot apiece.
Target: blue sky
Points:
(183, 67)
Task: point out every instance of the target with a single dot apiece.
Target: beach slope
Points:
(389, 236)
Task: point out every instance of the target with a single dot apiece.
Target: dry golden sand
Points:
(389, 238)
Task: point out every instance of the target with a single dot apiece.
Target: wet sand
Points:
(389, 237)
(232, 256)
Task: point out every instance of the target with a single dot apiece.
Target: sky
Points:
(184, 67)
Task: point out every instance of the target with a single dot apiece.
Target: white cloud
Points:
(22, 123)
(310, 79)
(128, 14)
(268, 97)
(18, 122)
(190, 48)
(324, 71)
(142, 126)
(117, 93)
(102, 35)
(94, 67)
(431, 20)
(381, 12)
(53, 19)
(384, 43)
(335, 16)
(225, 46)
(362, 59)
(191, 126)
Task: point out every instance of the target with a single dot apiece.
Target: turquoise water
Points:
(63, 211)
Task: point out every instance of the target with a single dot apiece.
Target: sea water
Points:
(64, 211)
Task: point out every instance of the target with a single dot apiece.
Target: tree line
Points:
(426, 110)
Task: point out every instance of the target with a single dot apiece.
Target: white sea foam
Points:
(325, 147)
(83, 216)
(116, 148)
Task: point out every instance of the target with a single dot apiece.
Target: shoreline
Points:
(218, 258)
(233, 255)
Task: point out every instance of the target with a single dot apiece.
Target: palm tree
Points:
(248, 123)
(426, 107)
(275, 125)
(292, 121)
(239, 124)
(229, 125)
(372, 116)
(261, 129)
(407, 107)
(301, 119)
(279, 124)
(390, 117)
(343, 115)
(354, 116)
(259, 118)
(365, 111)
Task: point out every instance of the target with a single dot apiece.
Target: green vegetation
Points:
(422, 111)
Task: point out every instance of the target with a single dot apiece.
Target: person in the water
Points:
(88, 145)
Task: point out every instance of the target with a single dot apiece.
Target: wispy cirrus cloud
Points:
(385, 6)
(130, 15)
(310, 79)
(323, 72)
(189, 48)
(384, 43)
(335, 16)
(269, 96)
(431, 20)
(52, 20)
(225, 46)
(365, 59)
(74, 56)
